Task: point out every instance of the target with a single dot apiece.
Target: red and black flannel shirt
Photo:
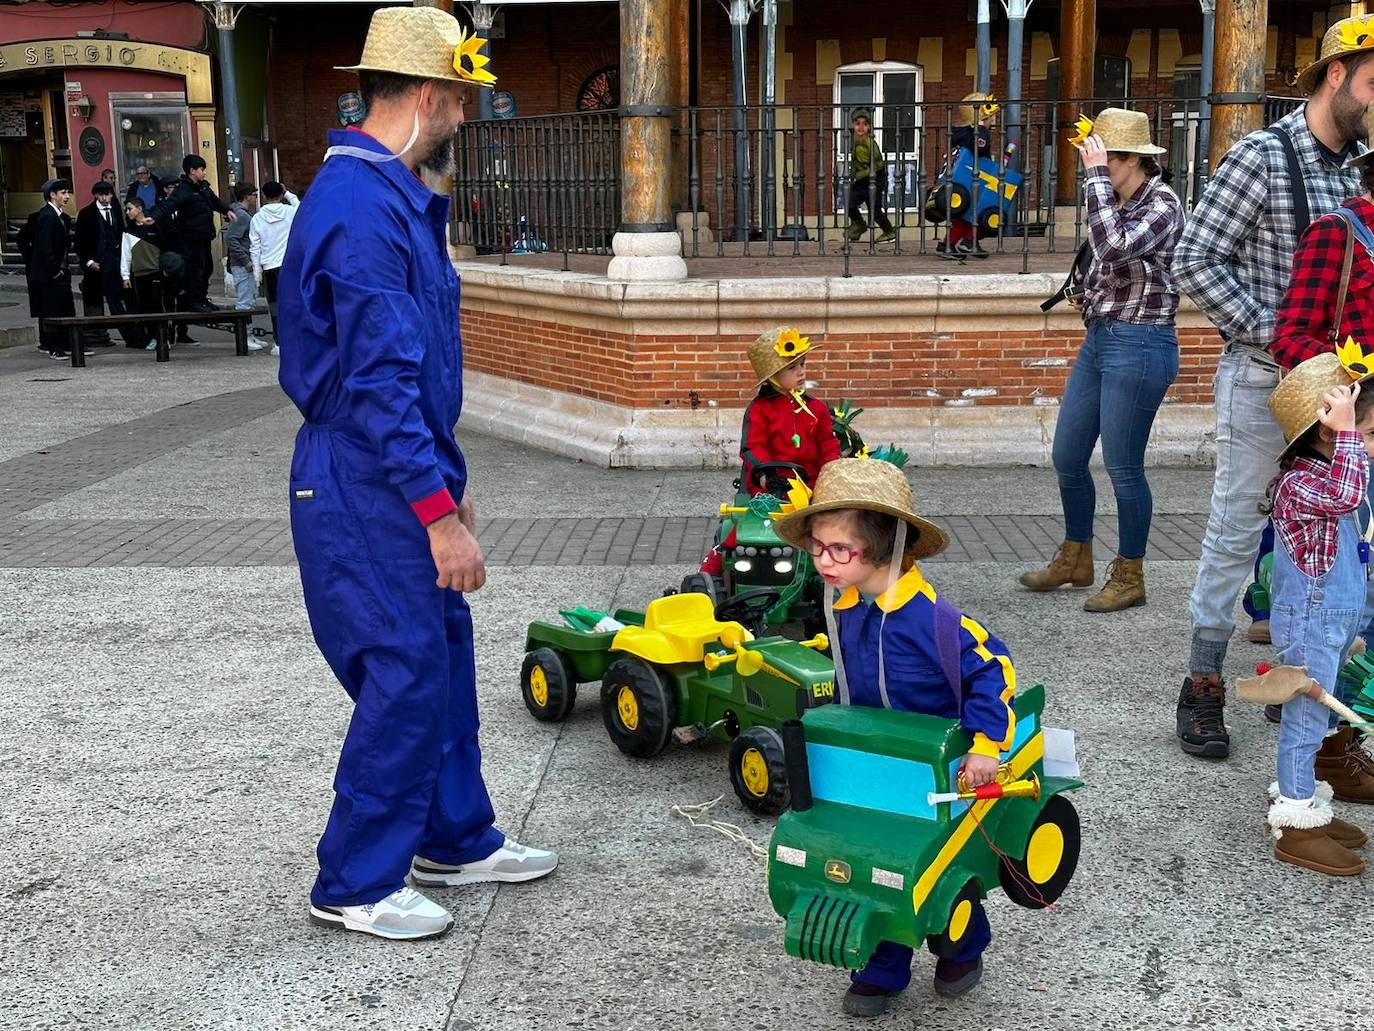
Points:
(1311, 498)
(1302, 327)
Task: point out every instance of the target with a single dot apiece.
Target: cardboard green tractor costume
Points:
(678, 671)
(875, 849)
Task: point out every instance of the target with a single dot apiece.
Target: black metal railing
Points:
(529, 185)
(778, 181)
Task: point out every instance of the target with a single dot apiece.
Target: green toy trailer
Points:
(879, 845)
(677, 670)
(1357, 683)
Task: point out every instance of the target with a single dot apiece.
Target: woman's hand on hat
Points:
(1093, 151)
(1338, 408)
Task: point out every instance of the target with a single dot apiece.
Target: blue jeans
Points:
(1118, 382)
(245, 289)
(1313, 621)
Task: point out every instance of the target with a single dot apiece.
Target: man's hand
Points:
(94, 266)
(467, 514)
(457, 556)
(979, 769)
(1337, 412)
(232, 216)
(1093, 152)
(128, 285)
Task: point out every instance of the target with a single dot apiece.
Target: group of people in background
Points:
(151, 255)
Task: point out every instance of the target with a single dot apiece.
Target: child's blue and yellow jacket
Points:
(915, 679)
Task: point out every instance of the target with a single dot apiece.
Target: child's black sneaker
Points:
(1201, 729)
(953, 979)
(866, 1000)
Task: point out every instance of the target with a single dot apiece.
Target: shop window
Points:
(150, 132)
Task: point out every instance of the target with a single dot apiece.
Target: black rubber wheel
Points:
(988, 221)
(1051, 857)
(959, 201)
(699, 583)
(548, 685)
(639, 709)
(950, 942)
(758, 773)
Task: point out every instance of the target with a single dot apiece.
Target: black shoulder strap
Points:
(1302, 210)
(1077, 271)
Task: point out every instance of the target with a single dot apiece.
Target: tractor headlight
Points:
(775, 552)
(743, 565)
(782, 566)
(786, 552)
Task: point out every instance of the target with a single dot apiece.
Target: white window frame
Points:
(907, 159)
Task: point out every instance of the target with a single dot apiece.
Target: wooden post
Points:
(680, 34)
(647, 246)
(1077, 56)
(1238, 71)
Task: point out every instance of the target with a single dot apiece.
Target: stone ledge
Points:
(615, 436)
(815, 304)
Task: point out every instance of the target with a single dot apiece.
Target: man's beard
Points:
(439, 161)
(1349, 114)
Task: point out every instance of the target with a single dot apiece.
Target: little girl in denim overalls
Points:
(1321, 568)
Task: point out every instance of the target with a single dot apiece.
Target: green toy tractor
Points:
(682, 669)
(881, 845)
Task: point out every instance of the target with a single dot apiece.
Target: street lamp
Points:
(84, 107)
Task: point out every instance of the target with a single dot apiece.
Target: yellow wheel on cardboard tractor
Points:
(989, 220)
(1052, 846)
(951, 941)
(548, 685)
(638, 707)
(758, 772)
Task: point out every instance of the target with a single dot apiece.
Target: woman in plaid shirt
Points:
(1321, 568)
(1128, 358)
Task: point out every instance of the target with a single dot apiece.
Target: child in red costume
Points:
(782, 424)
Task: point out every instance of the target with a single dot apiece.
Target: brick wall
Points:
(889, 369)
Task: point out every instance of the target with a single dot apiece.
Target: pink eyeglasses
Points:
(840, 554)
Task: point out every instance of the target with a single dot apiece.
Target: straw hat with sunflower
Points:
(775, 350)
(975, 107)
(1345, 37)
(1296, 401)
(423, 43)
(863, 483)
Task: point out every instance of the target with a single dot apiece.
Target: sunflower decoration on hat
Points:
(1347, 36)
(469, 61)
(1354, 359)
(1082, 129)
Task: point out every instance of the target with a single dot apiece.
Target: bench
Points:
(162, 321)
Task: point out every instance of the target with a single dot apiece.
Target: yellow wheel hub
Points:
(994, 221)
(628, 706)
(958, 920)
(539, 687)
(753, 770)
(1045, 852)
(955, 201)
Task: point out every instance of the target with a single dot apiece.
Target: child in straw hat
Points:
(898, 645)
(782, 424)
(1321, 568)
(972, 133)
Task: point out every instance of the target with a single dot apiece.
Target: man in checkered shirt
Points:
(1234, 260)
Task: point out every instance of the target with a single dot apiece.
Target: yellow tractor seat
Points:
(677, 629)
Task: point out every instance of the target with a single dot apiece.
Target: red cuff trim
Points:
(436, 506)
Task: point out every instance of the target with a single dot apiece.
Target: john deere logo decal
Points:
(837, 871)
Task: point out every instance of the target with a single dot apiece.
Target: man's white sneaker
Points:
(253, 345)
(510, 863)
(403, 914)
(275, 352)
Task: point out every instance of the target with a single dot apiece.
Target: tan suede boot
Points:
(1125, 587)
(1304, 839)
(1349, 770)
(1073, 564)
(1338, 830)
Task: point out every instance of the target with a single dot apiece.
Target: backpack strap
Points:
(1078, 271)
(948, 648)
(1358, 228)
(1302, 210)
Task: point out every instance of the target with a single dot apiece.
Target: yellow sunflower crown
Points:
(798, 497)
(1357, 34)
(989, 108)
(1083, 128)
(1356, 361)
(469, 62)
(791, 344)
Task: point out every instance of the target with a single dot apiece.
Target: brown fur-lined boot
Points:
(1304, 839)
(1073, 564)
(1124, 589)
(1345, 763)
(1337, 830)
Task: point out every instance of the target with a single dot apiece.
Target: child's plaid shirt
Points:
(1312, 496)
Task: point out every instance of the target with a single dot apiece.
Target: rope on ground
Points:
(696, 815)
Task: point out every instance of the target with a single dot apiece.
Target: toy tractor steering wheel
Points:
(748, 608)
(769, 474)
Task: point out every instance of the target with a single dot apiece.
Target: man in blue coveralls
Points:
(383, 529)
